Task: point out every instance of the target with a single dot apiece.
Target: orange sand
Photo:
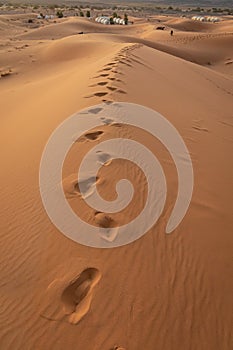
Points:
(162, 292)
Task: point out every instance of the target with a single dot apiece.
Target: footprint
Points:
(117, 125)
(104, 158)
(95, 110)
(77, 296)
(103, 220)
(71, 186)
(117, 72)
(5, 73)
(107, 121)
(116, 79)
(106, 229)
(121, 91)
(87, 186)
(107, 102)
(69, 298)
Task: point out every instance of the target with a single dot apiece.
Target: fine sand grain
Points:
(162, 292)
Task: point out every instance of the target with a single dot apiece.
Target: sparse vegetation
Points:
(143, 10)
(60, 14)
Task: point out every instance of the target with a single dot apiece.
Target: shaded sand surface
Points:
(163, 292)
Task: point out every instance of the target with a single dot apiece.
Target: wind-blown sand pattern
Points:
(163, 292)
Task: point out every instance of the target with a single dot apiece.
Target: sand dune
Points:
(74, 26)
(163, 291)
(188, 25)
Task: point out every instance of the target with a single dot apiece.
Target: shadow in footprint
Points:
(101, 75)
(101, 83)
(105, 69)
(93, 135)
(97, 94)
(110, 65)
(111, 88)
(100, 94)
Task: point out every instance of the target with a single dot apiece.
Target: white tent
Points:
(106, 21)
(98, 19)
(103, 20)
(207, 19)
(198, 18)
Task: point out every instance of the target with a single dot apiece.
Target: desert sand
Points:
(161, 292)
